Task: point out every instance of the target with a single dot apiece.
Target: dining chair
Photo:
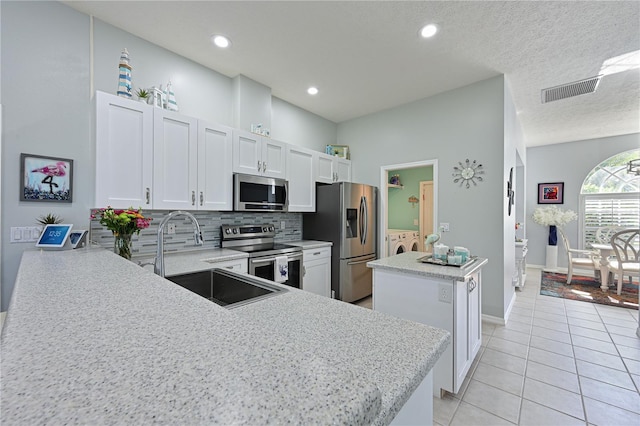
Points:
(583, 259)
(604, 233)
(627, 261)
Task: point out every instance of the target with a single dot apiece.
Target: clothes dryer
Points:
(413, 241)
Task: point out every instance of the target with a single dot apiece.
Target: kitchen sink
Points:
(226, 288)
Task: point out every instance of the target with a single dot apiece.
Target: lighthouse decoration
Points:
(124, 83)
(171, 104)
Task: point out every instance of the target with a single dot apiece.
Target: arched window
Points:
(610, 196)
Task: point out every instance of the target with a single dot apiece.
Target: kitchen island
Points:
(91, 338)
(447, 297)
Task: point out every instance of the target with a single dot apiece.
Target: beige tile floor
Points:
(556, 362)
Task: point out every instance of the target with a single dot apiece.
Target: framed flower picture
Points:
(551, 193)
(45, 178)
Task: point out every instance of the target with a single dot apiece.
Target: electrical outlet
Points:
(283, 224)
(415, 222)
(444, 227)
(444, 293)
(171, 228)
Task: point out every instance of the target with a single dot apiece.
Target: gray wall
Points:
(451, 127)
(569, 163)
(47, 104)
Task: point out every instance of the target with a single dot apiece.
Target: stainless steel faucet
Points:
(158, 267)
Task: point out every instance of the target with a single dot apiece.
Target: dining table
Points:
(605, 250)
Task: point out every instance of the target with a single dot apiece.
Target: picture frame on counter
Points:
(45, 178)
(341, 151)
(551, 193)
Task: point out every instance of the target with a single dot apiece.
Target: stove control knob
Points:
(235, 230)
(227, 231)
(265, 229)
(271, 228)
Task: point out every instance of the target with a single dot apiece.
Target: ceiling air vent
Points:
(569, 90)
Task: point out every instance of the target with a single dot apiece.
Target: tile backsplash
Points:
(146, 242)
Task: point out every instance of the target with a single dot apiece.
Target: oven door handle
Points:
(273, 259)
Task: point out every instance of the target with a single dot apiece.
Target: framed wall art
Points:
(46, 178)
(551, 193)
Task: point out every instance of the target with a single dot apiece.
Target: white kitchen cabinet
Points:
(124, 152)
(215, 175)
(175, 161)
(332, 169)
(236, 265)
(317, 271)
(257, 155)
(192, 163)
(301, 174)
(444, 303)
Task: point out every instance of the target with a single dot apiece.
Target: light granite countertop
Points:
(91, 338)
(408, 263)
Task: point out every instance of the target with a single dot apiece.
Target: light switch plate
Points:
(444, 226)
(415, 222)
(282, 224)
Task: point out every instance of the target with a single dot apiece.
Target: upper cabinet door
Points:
(247, 153)
(124, 152)
(215, 176)
(175, 161)
(274, 158)
(324, 173)
(301, 176)
(343, 170)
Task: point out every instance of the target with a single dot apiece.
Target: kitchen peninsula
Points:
(91, 338)
(447, 297)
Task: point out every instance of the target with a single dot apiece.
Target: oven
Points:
(266, 257)
(265, 267)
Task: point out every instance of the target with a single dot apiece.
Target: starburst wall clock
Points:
(468, 173)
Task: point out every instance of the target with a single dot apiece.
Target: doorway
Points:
(426, 211)
(409, 197)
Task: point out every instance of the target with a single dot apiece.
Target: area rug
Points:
(587, 289)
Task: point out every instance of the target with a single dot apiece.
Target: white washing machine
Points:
(396, 242)
(413, 241)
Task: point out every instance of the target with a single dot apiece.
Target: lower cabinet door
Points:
(317, 277)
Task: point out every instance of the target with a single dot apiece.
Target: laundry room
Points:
(410, 207)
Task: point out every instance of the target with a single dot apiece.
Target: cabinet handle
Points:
(316, 253)
(148, 195)
(472, 285)
(304, 271)
(201, 198)
(264, 166)
(193, 198)
(259, 165)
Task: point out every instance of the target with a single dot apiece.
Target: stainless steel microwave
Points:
(259, 194)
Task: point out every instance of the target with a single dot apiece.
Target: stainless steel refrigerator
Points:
(346, 216)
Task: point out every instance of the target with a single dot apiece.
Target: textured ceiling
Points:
(366, 56)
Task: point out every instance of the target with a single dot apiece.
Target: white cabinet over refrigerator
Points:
(332, 169)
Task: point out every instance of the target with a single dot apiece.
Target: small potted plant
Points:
(143, 95)
(49, 219)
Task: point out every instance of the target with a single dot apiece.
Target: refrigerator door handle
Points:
(365, 221)
(361, 221)
(361, 261)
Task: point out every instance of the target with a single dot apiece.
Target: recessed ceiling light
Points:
(429, 30)
(220, 41)
(312, 90)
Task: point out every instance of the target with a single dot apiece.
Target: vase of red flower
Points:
(123, 224)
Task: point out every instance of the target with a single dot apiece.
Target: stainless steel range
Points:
(266, 257)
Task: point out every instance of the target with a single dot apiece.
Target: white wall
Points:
(569, 163)
(451, 127)
(47, 103)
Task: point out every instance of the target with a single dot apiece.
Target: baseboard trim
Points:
(586, 272)
(493, 320)
(510, 307)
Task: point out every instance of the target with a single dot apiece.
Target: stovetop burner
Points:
(256, 240)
